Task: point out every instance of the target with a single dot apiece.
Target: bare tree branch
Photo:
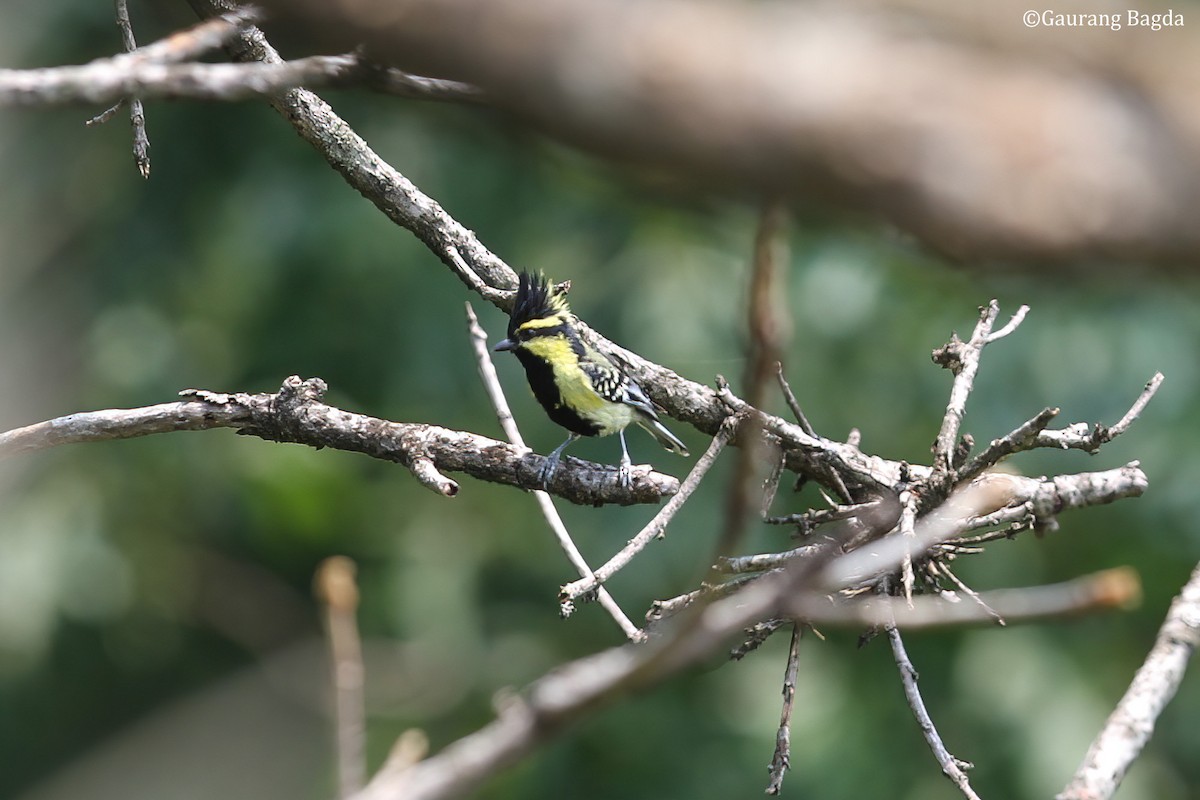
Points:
(961, 358)
(892, 107)
(1108, 589)
(952, 767)
(1131, 724)
(655, 528)
(156, 72)
(137, 114)
(1082, 437)
(337, 589)
(578, 689)
(296, 415)
(781, 760)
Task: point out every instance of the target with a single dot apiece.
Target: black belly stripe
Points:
(541, 380)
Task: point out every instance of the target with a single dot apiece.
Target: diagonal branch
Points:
(952, 767)
(1131, 724)
(585, 586)
(884, 106)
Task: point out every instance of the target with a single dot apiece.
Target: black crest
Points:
(537, 298)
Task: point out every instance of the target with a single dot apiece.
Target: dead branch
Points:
(336, 588)
(915, 111)
(295, 414)
(953, 768)
(1131, 724)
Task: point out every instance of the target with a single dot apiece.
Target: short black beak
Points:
(505, 344)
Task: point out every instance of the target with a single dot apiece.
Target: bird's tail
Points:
(663, 436)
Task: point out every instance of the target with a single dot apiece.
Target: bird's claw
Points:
(625, 474)
(624, 477)
(546, 473)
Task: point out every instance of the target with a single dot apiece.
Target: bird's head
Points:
(540, 308)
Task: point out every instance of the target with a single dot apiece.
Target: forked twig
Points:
(962, 358)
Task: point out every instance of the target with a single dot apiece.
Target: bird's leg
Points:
(624, 476)
(550, 465)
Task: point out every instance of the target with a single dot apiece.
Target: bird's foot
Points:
(625, 473)
(546, 473)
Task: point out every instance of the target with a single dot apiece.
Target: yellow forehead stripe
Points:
(541, 322)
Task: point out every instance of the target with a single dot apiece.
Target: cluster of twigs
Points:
(879, 554)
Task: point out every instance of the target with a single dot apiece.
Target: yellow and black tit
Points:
(581, 389)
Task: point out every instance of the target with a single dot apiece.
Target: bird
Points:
(580, 388)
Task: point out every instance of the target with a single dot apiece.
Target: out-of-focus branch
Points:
(975, 133)
(574, 691)
(336, 588)
(295, 414)
(109, 80)
(1129, 727)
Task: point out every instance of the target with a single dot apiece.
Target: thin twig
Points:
(907, 530)
(945, 571)
(1131, 723)
(1021, 438)
(757, 634)
(781, 761)
(961, 358)
(1016, 320)
(336, 589)
(835, 480)
(655, 528)
(761, 562)
(491, 383)
(793, 404)
(137, 114)
(107, 114)
(951, 766)
(664, 609)
(1137, 408)
(1083, 437)
(812, 518)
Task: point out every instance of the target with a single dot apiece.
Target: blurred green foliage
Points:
(157, 632)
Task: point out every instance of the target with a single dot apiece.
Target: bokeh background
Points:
(158, 636)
